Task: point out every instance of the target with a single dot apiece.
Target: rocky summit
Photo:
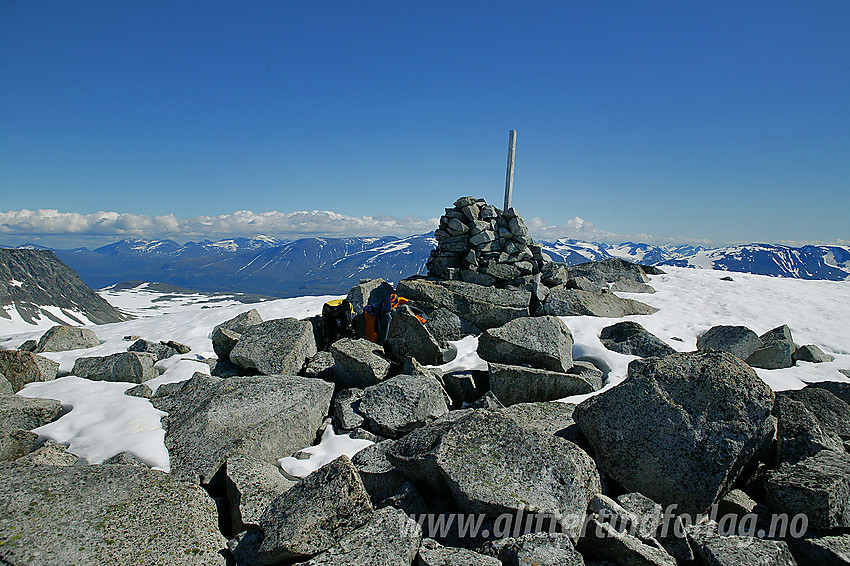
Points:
(482, 431)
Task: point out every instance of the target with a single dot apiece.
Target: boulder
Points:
(26, 413)
(520, 384)
(432, 553)
(775, 353)
(142, 390)
(51, 453)
(104, 515)
(344, 412)
(818, 486)
(407, 336)
(713, 549)
(402, 404)
(132, 367)
(390, 538)
(368, 293)
(799, 433)
(629, 286)
(125, 459)
(545, 418)
(15, 444)
(832, 413)
(251, 485)
(20, 368)
(5, 386)
(610, 270)
(602, 541)
(446, 326)
(739, 341)
(223, 342)
(358, 363)
(821, 549)
(576, 302)
(315, 514)
(680, 429)
(813, 354)
(541, 342)
(62, 338)
(242, 322)
(28, 346)
(275, 347)
(629, 337)
(266, 417)
(380, 477)
(539, 549)
(646, 513)
(491, 466)
(840, 389)
(485, 307)
(159, 350)
(321, 365)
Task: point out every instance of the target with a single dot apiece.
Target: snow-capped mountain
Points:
(268, 266)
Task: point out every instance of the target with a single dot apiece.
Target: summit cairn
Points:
(479, 243)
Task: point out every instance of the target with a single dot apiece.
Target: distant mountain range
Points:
(314, 266)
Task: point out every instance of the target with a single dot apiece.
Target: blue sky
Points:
(663, 121)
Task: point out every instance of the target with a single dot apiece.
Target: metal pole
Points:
(509, 181)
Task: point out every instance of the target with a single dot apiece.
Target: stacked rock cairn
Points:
(478, 243)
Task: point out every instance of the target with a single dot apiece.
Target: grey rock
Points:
(107, 515)
(275, 347)
(818, 486)
(739, 341)
(647, 514)
(477, 278)
(159, 350)
(379, 476)
(446, 326)
(540, 549)
(840, 389)
(20, 368)
(358, 363)
(245, 548)
(629, 286)
(542, 342)
(603, 542)
(585, 284)
(485, 307)
(408, 499)
(737, 503)
(546, 418)
(519, 384)
(390, 538)
(606, 510)
(402, 404)
(321, 365)
(251, 486)
(832, 413)
(125, 459)
(491, 466)
(773, 355)
(314, 514)
(409, 366)
(799, 433)
(778, 334)
(588, 372)
(26, 413)
(714, 549)
(553, 274)
(223, 342)
(629, 337)
(576, 302)
(180, 348)
(5, 386)
(28, 346)
(50, 453)
(140, 390)
(407, 336)
(223, 368)
(14, 444)
(432, 553)
(344, 411)
(368, 293)
(210, 420)
(132, 367)
(821, 549)
(812, 353)
(62, 338)
(242, 322)
(680, 429)
(610, 270)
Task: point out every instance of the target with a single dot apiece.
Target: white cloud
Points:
(580, 229)
(240, 223)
